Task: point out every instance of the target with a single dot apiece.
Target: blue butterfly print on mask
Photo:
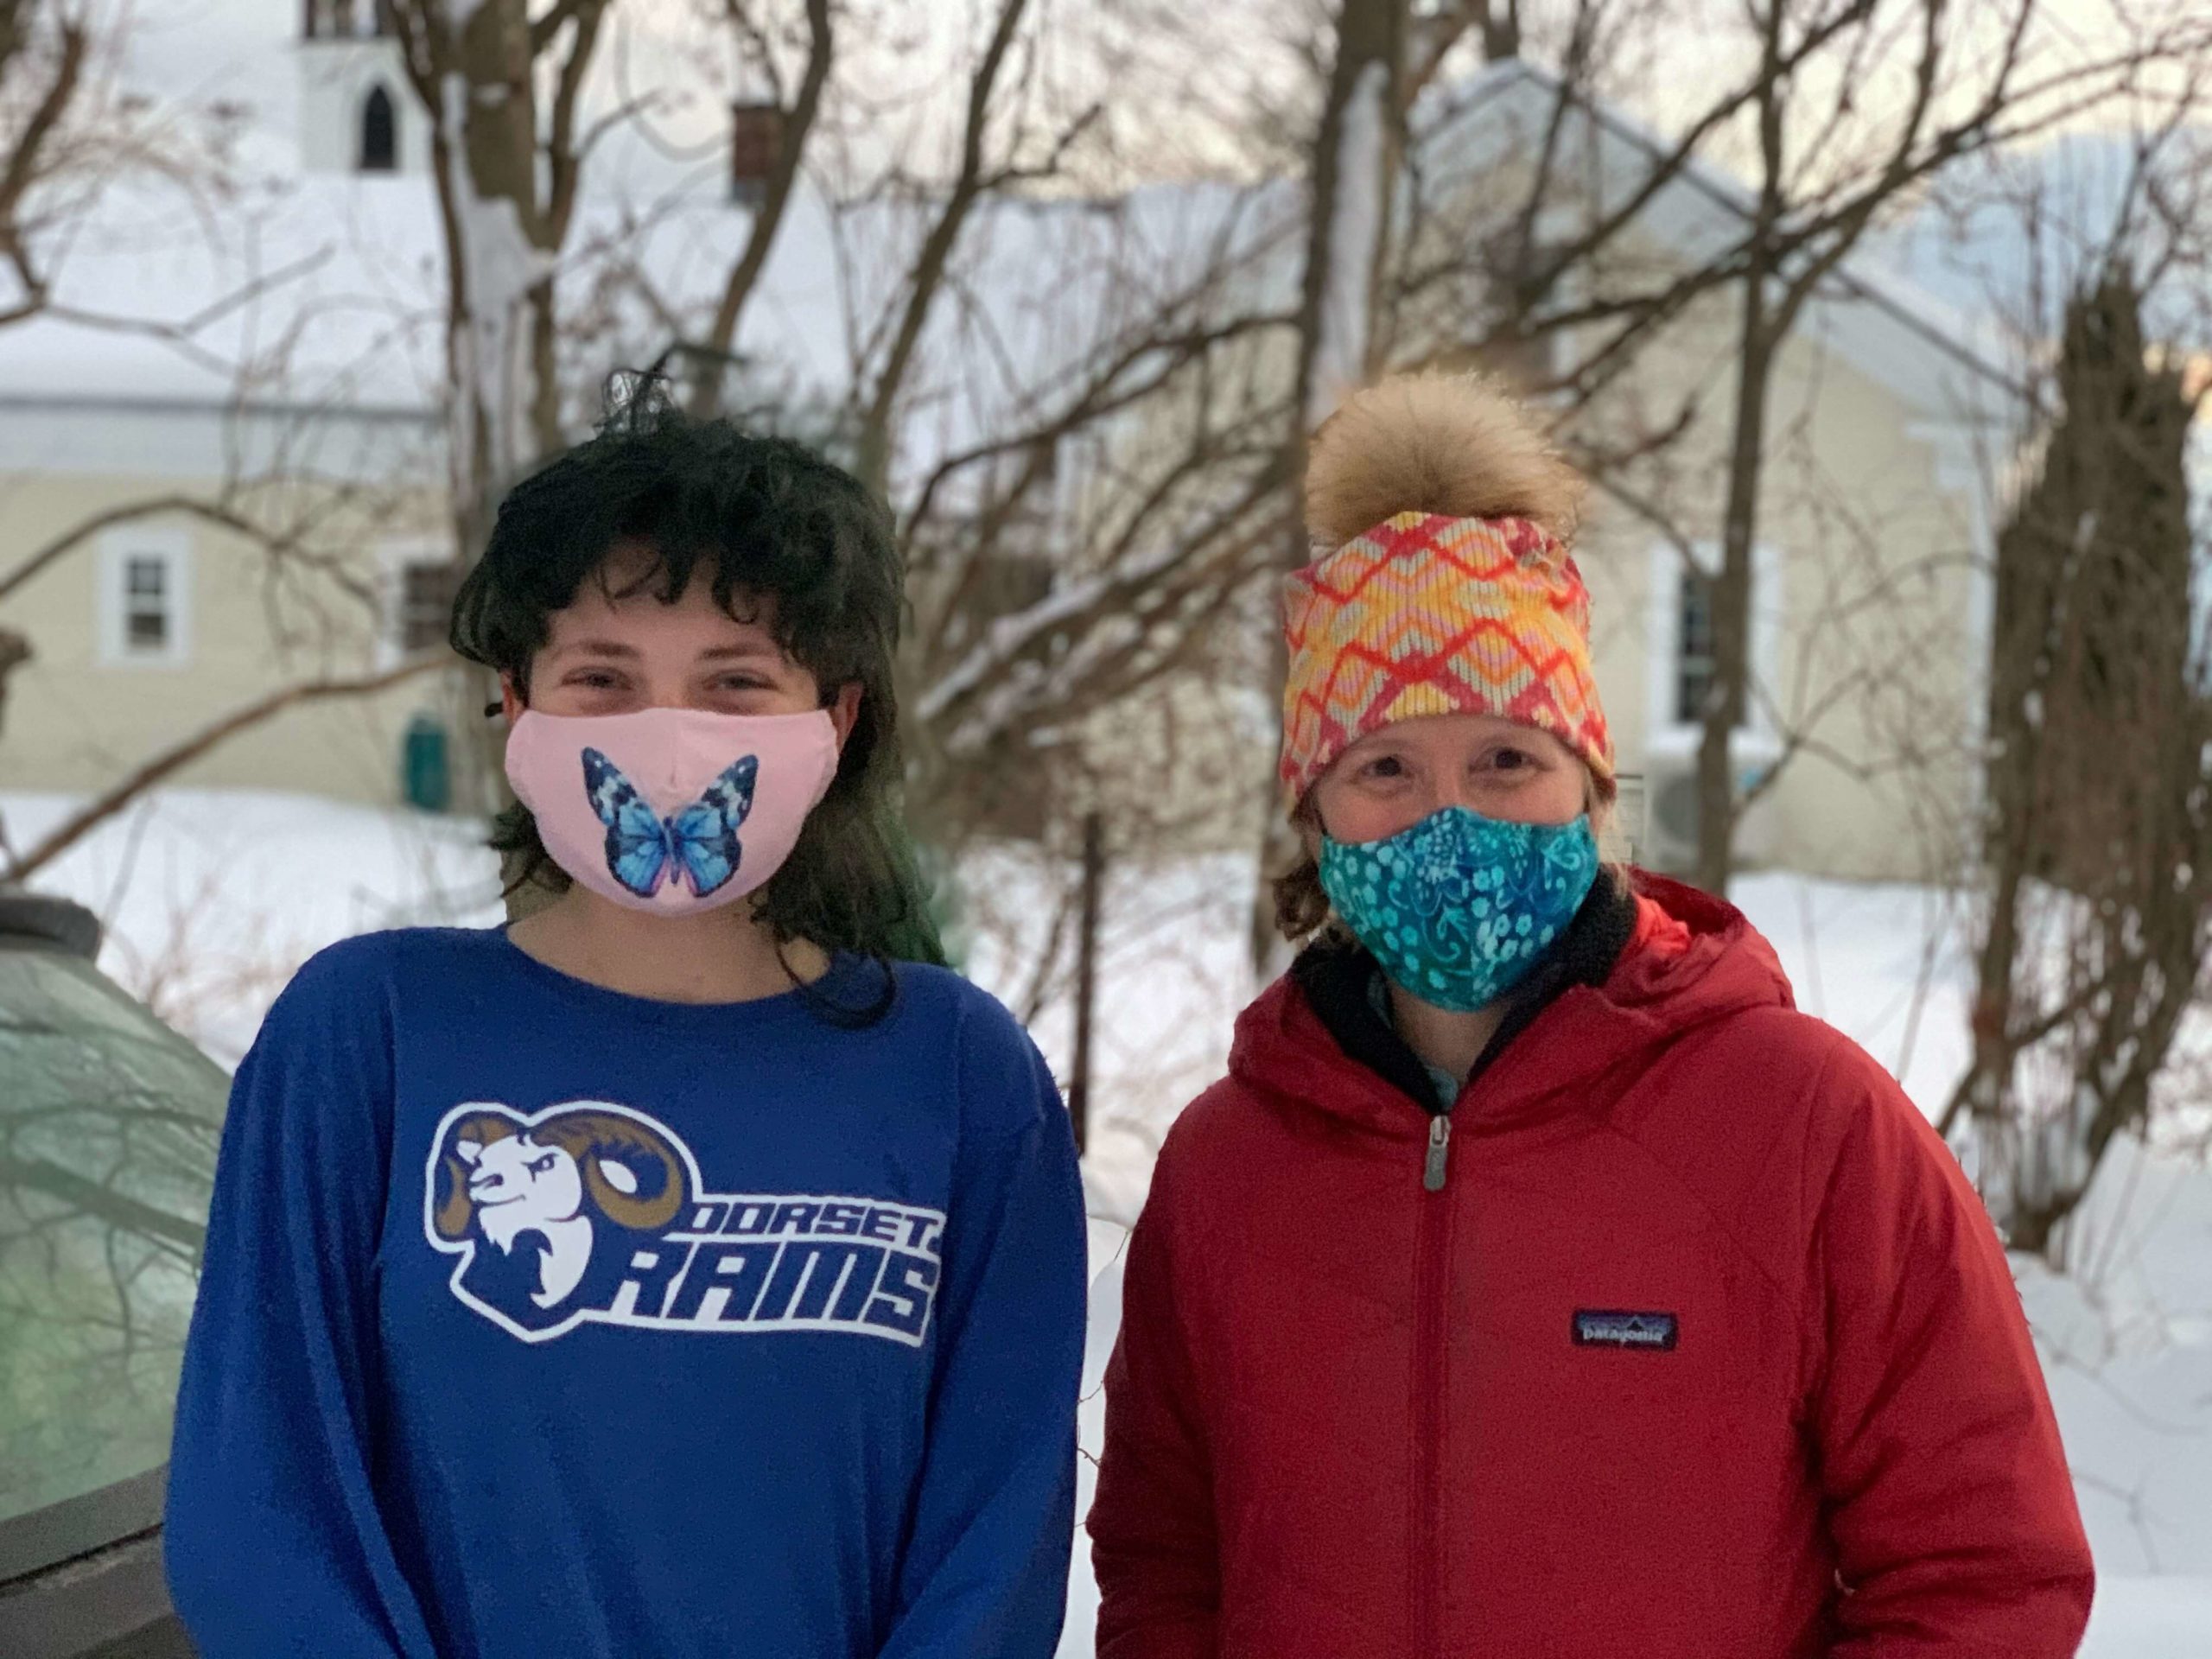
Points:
(697, 845)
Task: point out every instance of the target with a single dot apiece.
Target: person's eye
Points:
(593, 679)
(1384, 768)
(742, 683)
(1510, 759)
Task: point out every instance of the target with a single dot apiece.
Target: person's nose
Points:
(1455, 788)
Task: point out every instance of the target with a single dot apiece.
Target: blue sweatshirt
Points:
(538, 1320)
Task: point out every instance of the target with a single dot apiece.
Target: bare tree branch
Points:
(562, 13)
(21, 165)
(564, 153)
(776, 195)
(160, 766)
(90, 1198)
(926, 276)
(218, 512)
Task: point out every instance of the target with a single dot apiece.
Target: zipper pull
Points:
(1439, 1145)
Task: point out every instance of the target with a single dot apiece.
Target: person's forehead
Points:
(1426, 730)
(641, 610)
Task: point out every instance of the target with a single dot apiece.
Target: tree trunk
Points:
(504, 193)
(1500, 30)
(1086, 975)
(1370, 43)
(2095, 841)
(872, 448)
(1727, 699)
(15, 652)
(1371, 49)
(720, 342)
(504, 312)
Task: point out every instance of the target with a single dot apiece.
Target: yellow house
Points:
(160, 624)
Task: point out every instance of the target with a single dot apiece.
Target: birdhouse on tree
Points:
(756, 143)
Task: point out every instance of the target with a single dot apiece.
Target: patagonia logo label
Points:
(1597, 1329)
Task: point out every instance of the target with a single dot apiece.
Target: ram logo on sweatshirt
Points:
(595, 1212)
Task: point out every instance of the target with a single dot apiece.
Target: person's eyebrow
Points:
(597, 648)
(1376, 743)
(750, 649)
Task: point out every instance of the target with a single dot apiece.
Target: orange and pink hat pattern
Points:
(1429, 615)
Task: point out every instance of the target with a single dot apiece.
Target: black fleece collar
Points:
(1336, 977)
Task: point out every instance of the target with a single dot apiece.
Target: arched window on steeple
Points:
(379, 132)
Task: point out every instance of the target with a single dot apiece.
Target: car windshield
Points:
(108, 1129)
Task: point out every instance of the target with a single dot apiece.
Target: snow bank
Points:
(213, 898)
(2151, 1618)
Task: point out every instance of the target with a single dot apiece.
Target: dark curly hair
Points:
(759, 517)
(1302, 907)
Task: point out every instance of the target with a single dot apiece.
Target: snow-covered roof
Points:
(1945, 364)
(322, 290)
(311, 289)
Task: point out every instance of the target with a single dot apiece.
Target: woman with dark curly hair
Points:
(1540, 1283)
(693, 1266)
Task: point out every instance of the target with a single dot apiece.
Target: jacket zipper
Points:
(1432, 1283)
(1432, 1289)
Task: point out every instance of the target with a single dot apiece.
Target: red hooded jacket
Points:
(1705, 1350)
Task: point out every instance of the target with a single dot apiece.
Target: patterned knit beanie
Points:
(1444, 586)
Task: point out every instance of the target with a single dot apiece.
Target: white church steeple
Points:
(357, 112)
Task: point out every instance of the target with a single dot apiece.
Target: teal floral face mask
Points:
(1458, 908)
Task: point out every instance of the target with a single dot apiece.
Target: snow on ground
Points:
(213, 898)
(2126, 1340)
(2150, 1618)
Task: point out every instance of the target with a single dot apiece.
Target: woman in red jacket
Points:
(1539, 1281)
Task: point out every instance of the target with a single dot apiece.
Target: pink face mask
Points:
(672, 810)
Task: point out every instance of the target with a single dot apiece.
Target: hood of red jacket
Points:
(1659, 990)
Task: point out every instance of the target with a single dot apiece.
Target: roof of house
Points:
(1944, 363)
(324, 291)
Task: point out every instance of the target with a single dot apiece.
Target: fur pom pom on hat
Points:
(1444, 585)
(1451, 446)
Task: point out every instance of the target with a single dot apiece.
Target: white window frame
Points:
(1665, 612)
(119, 551)
(393, 559)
